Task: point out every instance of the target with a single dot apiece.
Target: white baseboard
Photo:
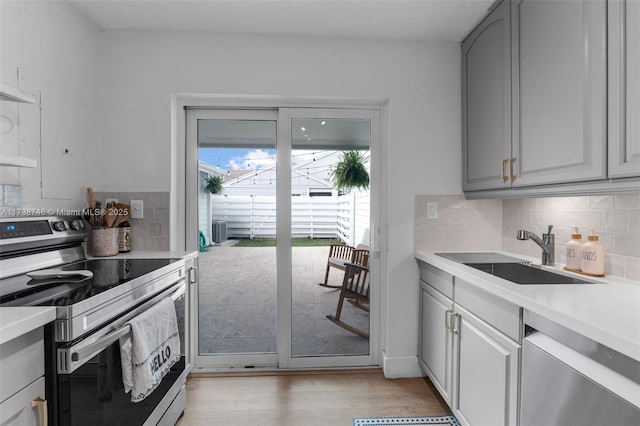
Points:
(400, 367)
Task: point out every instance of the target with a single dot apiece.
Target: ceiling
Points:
(433, 20)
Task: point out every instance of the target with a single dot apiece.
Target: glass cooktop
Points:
(107, 274)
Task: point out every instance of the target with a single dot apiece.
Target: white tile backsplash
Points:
(152, 231)
(492, 225)
(461, 224)
(615, 218)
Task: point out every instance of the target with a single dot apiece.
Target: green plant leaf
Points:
(213, 184)
(350, 172)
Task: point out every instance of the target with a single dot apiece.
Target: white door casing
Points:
(184, 202)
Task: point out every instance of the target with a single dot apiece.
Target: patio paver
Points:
(237, 304)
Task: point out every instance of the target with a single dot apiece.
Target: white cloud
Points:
(301, 155)
(253, 160)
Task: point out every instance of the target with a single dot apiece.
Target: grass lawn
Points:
(295, 242)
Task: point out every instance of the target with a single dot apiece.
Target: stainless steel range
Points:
(83, 372)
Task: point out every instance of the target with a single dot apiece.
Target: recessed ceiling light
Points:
(302, 128)
(322, 123)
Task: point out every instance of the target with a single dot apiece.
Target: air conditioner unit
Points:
(218, 231)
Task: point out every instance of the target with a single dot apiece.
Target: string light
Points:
(317, 169)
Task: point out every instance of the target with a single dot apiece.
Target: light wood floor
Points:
(306, 398)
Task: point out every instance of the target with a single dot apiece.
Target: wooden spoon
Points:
(92, 206)
(111, 216)
(92, 198)
(123, 210)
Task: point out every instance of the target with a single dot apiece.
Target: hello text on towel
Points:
(149, 351)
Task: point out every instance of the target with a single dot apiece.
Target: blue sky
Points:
(237, 159)
(246, 159)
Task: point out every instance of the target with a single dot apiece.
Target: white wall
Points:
(421, 80)
(57, 51)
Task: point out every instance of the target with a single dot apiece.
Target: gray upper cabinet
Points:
(550, 92)
(624, 88)
(559, 97)
(486, 97)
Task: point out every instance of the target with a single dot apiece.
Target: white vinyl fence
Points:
(345, 217)
(353, 218)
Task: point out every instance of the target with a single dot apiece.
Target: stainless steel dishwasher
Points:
(568, 379)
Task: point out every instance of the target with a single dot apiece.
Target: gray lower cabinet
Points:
(436, 341)
(26, 407)
(624, 88)
(473, 363)
(22, 383)
(485, 373)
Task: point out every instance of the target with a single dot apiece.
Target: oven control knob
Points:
(59, 226)
(76, 225)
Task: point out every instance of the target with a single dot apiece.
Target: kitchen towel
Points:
(150, 349)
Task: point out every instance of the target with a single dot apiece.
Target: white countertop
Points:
(607, 312)
(15, 322)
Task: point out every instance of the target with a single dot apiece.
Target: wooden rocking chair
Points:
(339, 256)
(355, 289)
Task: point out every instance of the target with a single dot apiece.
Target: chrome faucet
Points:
(547, 243)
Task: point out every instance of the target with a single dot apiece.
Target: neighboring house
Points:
(311, 177)
(314, 217)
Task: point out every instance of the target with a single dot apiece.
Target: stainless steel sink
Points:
(526, 274)
(479, 257)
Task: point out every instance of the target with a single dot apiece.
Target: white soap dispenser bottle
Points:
(593, 256)
(574, 252)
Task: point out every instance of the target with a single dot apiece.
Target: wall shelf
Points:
(15, 161)
(14, 94)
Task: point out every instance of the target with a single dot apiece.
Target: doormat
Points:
(407, 421)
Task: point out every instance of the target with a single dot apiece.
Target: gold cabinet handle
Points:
(454, 330)
(42, 409)
(502, 169)
(447, 316)
(511, 161)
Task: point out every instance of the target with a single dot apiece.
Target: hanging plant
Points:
(350, 172)
(213, 184)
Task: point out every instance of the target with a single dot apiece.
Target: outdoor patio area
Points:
(237, 304)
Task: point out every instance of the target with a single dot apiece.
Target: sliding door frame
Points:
(285, 295)
(182, 200)
(216, 361)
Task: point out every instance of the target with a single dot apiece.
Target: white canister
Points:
(593, 256)
(574, 252)
(103, 242)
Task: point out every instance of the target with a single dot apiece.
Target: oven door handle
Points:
(110, 338)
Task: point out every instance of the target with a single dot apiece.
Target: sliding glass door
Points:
(328, 145)
(237, 287)
(268, 214)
